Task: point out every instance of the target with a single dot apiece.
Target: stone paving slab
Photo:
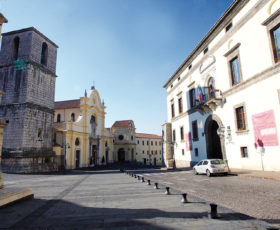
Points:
(114, 201)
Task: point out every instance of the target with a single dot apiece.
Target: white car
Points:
(210, 166)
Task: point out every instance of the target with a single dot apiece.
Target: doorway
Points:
(121, 155)
(94, 154)
(155, 161)
(77, 158)
(213, 141)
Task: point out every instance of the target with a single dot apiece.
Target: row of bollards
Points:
(213, 214)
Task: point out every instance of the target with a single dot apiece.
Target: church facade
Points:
(79, 130)
(223, 100)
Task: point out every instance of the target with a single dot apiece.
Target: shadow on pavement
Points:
(61, 214)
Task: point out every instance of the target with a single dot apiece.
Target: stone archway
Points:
(121, 155)
(215, 138)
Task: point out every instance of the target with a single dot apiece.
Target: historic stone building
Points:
(80, 136)
(27, 78)
(123, 133)
(223, 100)
(148, 149)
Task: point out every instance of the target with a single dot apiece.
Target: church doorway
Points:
(213, 139)
(121, 155)
(77, 158)
(93, 155)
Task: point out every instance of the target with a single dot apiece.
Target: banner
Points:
(188, 141)
(265, 129)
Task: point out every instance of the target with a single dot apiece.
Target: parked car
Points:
(210, 166)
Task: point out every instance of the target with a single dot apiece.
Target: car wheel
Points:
(195, 172)
(208, 173)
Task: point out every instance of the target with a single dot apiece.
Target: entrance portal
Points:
(213, 141)
(94, 155)
(77, 158)
(121, 155)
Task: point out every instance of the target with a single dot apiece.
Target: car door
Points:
(198, 167)
(204, 166)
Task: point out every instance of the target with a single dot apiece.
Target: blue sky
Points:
(128, 48)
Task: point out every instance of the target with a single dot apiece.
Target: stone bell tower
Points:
(27, 78)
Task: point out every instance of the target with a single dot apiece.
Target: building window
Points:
(143, 142)
(195, 130)
(73, 117)
(138, 142)
(15, 48)
(244, 152)
(58, 118)
(147, 142)
(228, 27)
(172, 109)
(190, 66)
(148, 152)
(183, 152)
(152, 142)
(156, 152)
(235, 71)
(240, 118)
(77, 142)
(131, 138)
(179, 78)
(174, 135)
(211, 86)
(182, 133)
(196, 152)
(171, 86)
(275, 36)
(205, 50)
(159, 143)
(180, 105)
(192, 97)
(143, 152)
(44, 54)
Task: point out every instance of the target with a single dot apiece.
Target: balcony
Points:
(208, 100)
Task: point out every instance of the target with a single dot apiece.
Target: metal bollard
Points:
(138, 177)
(184, 198)
(167, 191)
(135, 176)
(149, 182)
(156, 185)
(143, 180)
(213, 214)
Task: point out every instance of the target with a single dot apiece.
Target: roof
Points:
(124, 123)
(30, 29)
(233, 9)
(67, 104)
(145, 135)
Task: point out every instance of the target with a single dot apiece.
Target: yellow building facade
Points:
(80, 136)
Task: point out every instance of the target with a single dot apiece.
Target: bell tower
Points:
(27, 78)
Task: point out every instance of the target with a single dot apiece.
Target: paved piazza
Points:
(114, 200)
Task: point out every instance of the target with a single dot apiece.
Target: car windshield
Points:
(217, 162)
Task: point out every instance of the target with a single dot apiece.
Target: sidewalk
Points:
(272, 175)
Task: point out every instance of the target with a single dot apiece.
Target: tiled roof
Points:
(124, 123)
(145, 135)
(67, 104)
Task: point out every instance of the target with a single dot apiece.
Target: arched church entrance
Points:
(214, 131)
(121, 155)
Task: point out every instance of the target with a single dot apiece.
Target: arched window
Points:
(92, 119)
(15, 48)
(44, 54)
(58, 119)
(73, 117)
(77, 142)
(211, 85)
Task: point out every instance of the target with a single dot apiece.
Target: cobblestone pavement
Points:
(111, 200)
(255, 197)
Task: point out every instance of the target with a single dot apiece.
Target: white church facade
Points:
(224, 99)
